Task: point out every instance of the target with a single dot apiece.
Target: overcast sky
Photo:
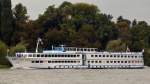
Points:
(130, 9)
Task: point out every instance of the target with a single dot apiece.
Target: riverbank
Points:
(75, 76)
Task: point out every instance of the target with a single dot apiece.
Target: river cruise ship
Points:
(77, 58)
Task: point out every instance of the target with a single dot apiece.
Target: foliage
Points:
(116, 45)
(147, 57)
(20, 47)
(3, 53)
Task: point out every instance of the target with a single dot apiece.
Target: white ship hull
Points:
(84, 61)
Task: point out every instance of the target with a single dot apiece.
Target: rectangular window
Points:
(95, 55)
(38, 55)
(42, 55)
(41, 61)
(99, 55)
(36, 61)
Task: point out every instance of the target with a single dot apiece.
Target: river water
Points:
(75, 76)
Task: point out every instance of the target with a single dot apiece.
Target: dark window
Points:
(92, 61)
(95, 55)
(100, 61)
(114, 55)
(96, 61)
(42, 55)
(107, 55)
(107, 61)
(41, 61)
(125, 61)
(52, 55)
(46, 56)
(38, 55)
(118, 56)
(32, 62)
(121, 56)
(121, 61)
(36, 61)
(110, 55)
(99, 55)
(49, 55)
(114, 61)
(118, 61)
(103, 55)
(88, 61)
(92, 55)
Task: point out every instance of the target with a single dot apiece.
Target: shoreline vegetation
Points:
(77, 25)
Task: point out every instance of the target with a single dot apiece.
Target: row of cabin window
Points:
(80, 49)
(53, 55)
(86, 49)
(115, 56)
(115, 61)
(69, 61)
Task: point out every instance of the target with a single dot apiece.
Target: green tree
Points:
(3, 53)
(116, 45)
(6, 19)
(20, 47)
(20, 13)
(147, 57)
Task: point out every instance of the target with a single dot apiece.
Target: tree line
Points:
(78, 25)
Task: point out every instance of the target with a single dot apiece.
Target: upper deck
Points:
(70, 49)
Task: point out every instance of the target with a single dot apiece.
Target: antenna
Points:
(37, 45)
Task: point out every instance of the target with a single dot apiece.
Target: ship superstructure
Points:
(73, 57)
